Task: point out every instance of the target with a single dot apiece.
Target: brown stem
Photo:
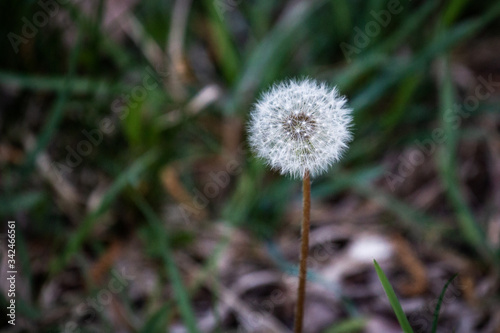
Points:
(306, 219)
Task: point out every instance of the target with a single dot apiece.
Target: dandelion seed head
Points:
(300, 125)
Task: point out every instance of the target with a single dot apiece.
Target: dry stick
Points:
(306, 219)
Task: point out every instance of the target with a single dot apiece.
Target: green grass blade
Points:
(180, 292)
(418, 221)
(341, 18)
(447, 167)
(393, 299)
(395, 72)
(123, 180)
(401, 101)
(226, 52)
(350, 325)
(58, 84)
(453, 11)
(264, 62)
(378, 55)
(438, 305)
(11, 204)
(157, 322)
(57, 112)
(407, 28)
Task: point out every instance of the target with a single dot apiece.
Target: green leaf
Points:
(440, 301)
(393, 299)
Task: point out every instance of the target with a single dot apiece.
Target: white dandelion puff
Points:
(300, 126)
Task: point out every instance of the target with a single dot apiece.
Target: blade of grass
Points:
(227, 54)
(121, 56)
(259, 16)
(263, 63)
(348, 326)
(157, 322)
(342, 19)
(180, 292)
(407, 28)
(357, 180)
(438, 305)
(57, 112)
(11, 204)
(401, 101)
(453, 10)
(397, 71)
(448, 166)
(129, 175)
(77, 85)
(199, 279)
(393, 299)
(378, 55)
(366, 16)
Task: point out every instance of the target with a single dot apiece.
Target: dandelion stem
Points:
(304, 249)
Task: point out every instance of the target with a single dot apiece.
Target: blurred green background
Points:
(139, 207)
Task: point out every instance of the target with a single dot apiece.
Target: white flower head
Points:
(300, 125)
